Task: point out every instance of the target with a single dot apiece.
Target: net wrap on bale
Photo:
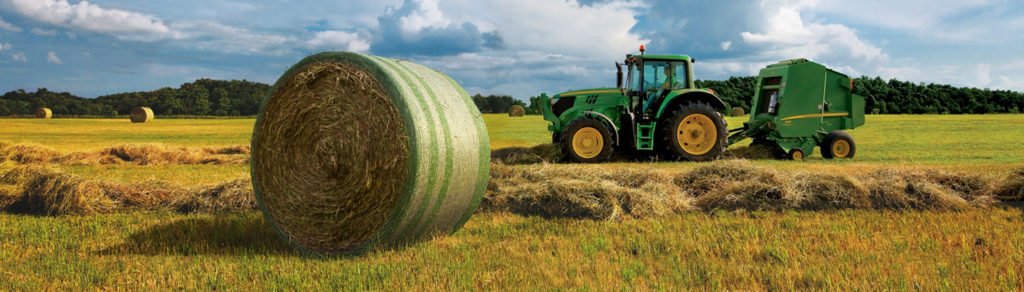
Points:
(141, 114)
(352, 151)
(43, 113)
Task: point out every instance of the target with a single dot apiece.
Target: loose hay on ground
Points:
(137, 154)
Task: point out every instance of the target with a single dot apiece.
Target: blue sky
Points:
(519, 48)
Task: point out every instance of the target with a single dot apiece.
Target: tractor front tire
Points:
(586, 140)
(695, 132)
(838, 144)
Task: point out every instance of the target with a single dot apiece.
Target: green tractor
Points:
(658, 108)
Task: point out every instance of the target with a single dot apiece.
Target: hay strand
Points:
(141, 114)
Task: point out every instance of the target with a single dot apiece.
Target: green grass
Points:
(88, 134)
(863, 250)
(973, 249)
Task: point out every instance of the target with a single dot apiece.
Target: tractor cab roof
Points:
(683, 58)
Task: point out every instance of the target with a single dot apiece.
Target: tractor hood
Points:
(587, 92)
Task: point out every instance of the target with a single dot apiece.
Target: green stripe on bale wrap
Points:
(442, 165)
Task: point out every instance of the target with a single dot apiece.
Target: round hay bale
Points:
(516, 111)
(44, 113)
(737, 112)
(353, 151)
(141, 114)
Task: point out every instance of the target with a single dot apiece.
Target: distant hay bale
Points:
(44, 113)
(737, 112)
(516, 111)
(141, 114)
(352, 151)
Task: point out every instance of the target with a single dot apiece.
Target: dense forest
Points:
(206, 97)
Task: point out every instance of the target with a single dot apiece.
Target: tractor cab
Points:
(650, 79)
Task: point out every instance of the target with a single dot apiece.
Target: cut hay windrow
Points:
(43, 113)
(516, 111)
(352, 151)
(40, 190)
(136, 154)
(565, 191)
(141, 114)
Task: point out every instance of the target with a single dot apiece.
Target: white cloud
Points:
(52, 58)
(90, 17)
(601, 31)
(929, 17)
(726, 45)
(427, 16)
(7, 26)
(338, 40)
(213, 36)
(787, 36)
(43, 32)
(4, 46)
(19, 57)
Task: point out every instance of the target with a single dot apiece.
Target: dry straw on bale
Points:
(516, 111)
(141, 114)
(352, 151)
(43, 113)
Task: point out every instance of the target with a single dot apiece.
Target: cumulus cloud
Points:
(338, 40)
(787, 36)
(419, 28)
(7, 26)
(19, 57)
(4, 46)
(91, 17)
(52, 58)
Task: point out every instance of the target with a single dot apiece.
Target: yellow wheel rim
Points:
(587, 143)
(798, 155)
(840, 148)
(696, 134)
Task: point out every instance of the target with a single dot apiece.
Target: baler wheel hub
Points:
(841, 149)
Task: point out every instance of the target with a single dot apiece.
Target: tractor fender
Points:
(701, 96)
(608, 121)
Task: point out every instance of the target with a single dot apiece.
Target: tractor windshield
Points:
(657, 75)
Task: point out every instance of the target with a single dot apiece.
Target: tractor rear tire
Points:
(586, 140)
(694, 132)
(838, 144)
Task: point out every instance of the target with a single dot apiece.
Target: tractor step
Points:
(645, 136)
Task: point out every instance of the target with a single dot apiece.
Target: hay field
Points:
(970, 247)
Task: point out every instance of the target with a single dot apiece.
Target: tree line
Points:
(204, 97)
(207, 97)
(893, 96)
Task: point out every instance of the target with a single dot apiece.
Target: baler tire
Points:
(838, 144)
(796, 154)
(568, 138)
(671, 141)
